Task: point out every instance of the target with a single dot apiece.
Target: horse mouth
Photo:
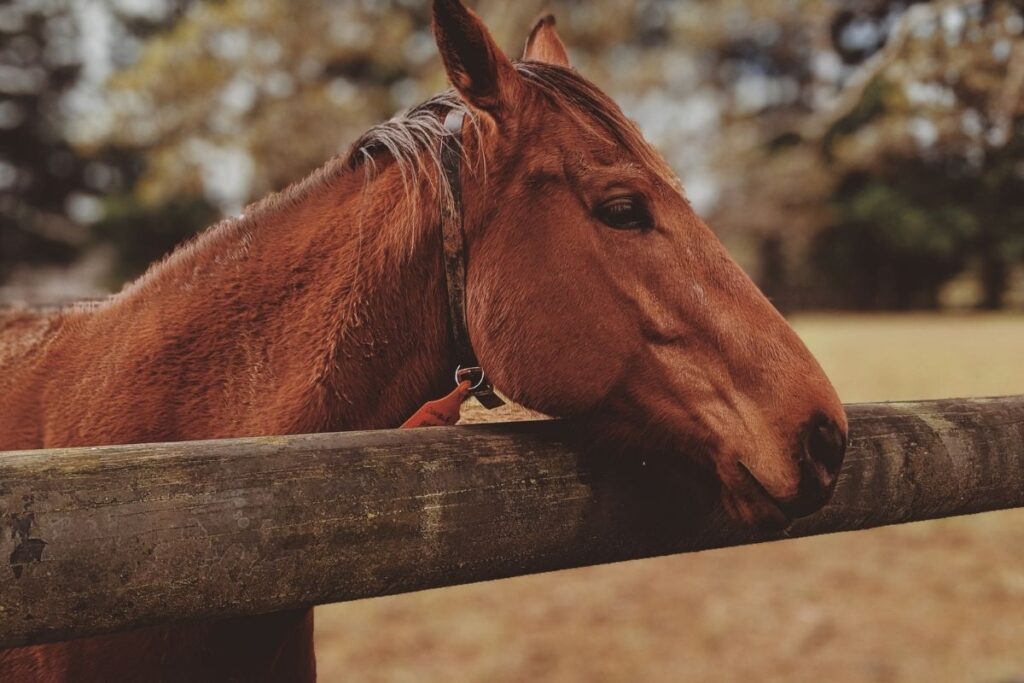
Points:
(753, 504)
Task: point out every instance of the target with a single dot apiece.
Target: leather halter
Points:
(453, 238)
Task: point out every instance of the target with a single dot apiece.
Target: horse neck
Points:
(317, 313)
(388, 348)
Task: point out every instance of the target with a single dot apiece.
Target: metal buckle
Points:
(482, 390)
(475, 376)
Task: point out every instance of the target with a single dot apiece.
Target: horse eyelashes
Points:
(625, 213)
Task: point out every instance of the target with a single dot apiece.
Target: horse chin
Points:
(761, 514)
(671, 463)
(747, 501)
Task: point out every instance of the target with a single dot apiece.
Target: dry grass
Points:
(942, 601)
(894, 358)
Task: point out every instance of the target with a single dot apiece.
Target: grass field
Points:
(940, 601)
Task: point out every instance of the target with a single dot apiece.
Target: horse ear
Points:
(476, 66)
(545, 45)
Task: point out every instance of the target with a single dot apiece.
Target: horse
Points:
(593, 291)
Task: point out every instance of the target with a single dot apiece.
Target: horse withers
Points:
(593, 291)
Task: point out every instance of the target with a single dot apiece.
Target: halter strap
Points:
(453, 238)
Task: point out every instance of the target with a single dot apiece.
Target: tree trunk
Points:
(994, 282)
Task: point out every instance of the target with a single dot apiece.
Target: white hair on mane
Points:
(412, 139)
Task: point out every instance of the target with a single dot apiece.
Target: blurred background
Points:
(862, 159)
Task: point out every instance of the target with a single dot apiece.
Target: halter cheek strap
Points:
(454, 240)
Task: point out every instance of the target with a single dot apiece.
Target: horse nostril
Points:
(826, 446)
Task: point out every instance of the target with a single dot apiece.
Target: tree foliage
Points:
(930, 159)
(917, 158)
(50, 187)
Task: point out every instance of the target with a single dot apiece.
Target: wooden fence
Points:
(106, 539)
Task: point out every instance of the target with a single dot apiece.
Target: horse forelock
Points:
(412, 139)
(578, 97)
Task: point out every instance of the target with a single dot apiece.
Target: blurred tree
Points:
(50, 187)
(896, 238)
(941, 125)
(39, 172)
(912, 143)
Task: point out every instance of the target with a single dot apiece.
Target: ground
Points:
(940, 601)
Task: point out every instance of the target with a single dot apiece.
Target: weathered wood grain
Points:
(104, 539)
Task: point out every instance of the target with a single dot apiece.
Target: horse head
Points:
(595, 291)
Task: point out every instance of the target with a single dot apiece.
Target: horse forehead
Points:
(567, 145)
(542, 124)
(574, 156)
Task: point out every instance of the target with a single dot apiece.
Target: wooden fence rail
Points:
(106, 539)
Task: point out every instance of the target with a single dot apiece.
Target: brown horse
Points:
(594, 291)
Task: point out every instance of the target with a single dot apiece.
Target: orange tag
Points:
(443, 412)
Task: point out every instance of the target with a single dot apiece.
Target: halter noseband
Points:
(454, 240)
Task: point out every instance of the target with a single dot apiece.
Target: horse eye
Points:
(625, 213)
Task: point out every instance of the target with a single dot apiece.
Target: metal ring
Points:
(459, 370)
